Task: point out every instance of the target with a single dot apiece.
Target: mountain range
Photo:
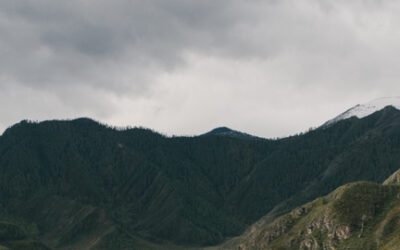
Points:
(79, 184)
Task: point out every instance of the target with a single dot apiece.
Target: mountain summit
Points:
(363, 110)
(227, 132)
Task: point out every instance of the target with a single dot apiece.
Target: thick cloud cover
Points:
(267, 67)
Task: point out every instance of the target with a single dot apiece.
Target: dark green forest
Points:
(79, 180)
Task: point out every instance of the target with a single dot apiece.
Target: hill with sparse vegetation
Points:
(359, 216)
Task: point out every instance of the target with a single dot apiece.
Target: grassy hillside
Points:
(359, 216)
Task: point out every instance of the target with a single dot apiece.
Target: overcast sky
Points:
(266, 67)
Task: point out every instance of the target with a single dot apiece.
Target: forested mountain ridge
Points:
(90, 186)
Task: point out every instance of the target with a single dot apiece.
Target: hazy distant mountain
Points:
(83, 185)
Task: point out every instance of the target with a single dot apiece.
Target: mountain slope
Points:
(319, 161)
(359, 216)
(16, 237)
(148, 185)
(88, 186)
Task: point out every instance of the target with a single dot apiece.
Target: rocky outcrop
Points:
(394, 179)
(306, 231)
(323, 233)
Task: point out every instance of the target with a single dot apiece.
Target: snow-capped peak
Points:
(363, 110)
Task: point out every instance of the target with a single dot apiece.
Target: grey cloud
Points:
(72, 42)
(90, 54)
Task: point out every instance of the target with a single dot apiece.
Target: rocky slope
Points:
(357, 216)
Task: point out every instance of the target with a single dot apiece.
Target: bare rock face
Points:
(323, 233)
(342, 232)
(309, 244)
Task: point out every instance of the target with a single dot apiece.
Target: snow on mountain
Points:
(363, 110)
